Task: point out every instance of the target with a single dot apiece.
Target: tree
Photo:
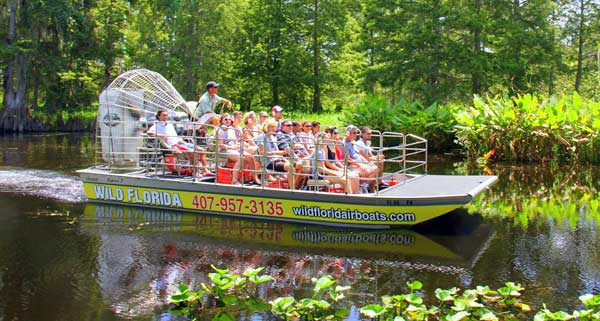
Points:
(579, 18)
(14, 114)
(325, 25)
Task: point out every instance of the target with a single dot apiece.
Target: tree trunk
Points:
(316, 103)
(435, 63)
(14, 116)
(580, 45)
(276, 67)
(476, 74)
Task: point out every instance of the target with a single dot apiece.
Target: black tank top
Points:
(330, 154)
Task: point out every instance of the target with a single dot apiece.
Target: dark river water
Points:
(62, 258)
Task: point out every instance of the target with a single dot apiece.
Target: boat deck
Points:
(427, 186)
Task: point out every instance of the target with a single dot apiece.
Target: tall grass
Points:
(531, 129)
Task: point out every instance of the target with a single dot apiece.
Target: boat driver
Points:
(168, 138)
(208, 101)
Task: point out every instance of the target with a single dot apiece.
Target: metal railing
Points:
(391, 156)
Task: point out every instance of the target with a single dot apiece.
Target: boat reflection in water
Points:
(146, 252)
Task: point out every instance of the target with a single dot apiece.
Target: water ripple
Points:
(42, 183)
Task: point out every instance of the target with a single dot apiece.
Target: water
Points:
(64, 259)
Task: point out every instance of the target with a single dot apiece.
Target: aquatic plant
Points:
(435, 122)
(229, 293)
(531, 128)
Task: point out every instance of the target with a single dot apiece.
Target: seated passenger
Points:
(274, 158)
(363, 146)
(262, 117)
(168, 138)
(350, 180)
(305, 137)
(285, 135)
(366, 171)
(250, 131)
(286, 138)
(229, 145)
(335, 148)
(316, 129)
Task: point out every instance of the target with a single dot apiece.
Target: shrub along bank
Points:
(78, 121)
(529, 128)
(524, 128)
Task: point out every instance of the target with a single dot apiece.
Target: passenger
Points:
(208, 101)
(305, 137)
(277, 113)
(274, 158)
(366, 171)
(230, 146)
(332, 142)
(316, 129)
(237, 119)
(296, 127)
(262, 117)
(203, 131)
(167, 136)
(285, 135)
(286, 138)
(249, 134)
(250, 131)
(350, 179)
(338, 145)
(363, 146)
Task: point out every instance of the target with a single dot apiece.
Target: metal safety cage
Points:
(127, 108)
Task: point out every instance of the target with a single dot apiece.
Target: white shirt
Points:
(166, 130)
(361, 145)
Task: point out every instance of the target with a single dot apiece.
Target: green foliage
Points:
(58, 120)
(531, 128)
(232, 292)
(311, 55)
(591, 311)
(316, 307)
(374, 112)
(435, 122)
(481, 303)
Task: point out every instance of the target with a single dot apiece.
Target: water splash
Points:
(41, 183)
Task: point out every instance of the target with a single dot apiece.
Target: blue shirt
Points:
(349, 145)
(267, 143)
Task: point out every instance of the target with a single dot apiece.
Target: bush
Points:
(531, 128)
(435, 123)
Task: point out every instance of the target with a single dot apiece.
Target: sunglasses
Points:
(308, 126)
(335, 133)
(287, 125)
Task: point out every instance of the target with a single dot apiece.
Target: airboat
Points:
(133, 168)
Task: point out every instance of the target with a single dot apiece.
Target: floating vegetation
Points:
(229, 294)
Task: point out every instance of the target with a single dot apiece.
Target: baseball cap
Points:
(277, 108)
(211, 84)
